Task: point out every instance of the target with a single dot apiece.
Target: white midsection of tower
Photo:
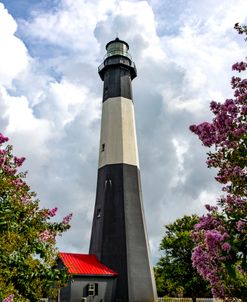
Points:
(118, 144)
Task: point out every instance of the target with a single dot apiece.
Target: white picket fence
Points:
(188, 300)
(208, 300)
(174, 300)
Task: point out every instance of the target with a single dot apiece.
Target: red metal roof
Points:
(84, 264)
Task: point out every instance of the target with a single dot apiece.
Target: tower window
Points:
(105, 92)
(102, 147)
(98, 215)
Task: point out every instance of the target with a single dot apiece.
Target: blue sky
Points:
(51, 98)
(23, 8)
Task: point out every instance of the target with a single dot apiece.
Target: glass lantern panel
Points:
(117, 48)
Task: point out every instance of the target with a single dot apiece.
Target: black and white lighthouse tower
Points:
(119, 236)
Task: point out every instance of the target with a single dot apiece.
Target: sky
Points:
(51, 96)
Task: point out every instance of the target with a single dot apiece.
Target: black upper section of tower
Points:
(117, 71)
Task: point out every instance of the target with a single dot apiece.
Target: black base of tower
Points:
(118, 234)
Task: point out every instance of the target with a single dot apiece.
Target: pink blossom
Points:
(52, 212)
(235, 82)
(201, 259)
(19, 161)
(239, 131)
(213, 238)
(46, 235)
(218, 291)
(67, 219)
(25, 200)
(3, 152)
(215, 107)
(226, 246)
(205, 131)
(240, 225)
(228, 172)
(211, 208)
(2, 162)
(18, 182)
(239, 66)
(244, 110)
(10, 298)
(233, 204)
(9, 170)
(3, 139)
(207, 222)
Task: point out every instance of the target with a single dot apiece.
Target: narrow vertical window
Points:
(98, 215)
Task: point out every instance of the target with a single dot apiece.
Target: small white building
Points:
(90, 280)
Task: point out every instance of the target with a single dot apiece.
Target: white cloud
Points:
(181, 147)
(13, 53)
(71, 25)
(63, 101)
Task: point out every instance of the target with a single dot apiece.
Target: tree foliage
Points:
(28, 256)
(174, 272)
(221, 235)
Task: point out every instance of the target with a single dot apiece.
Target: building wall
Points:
(65, 294)
(78, 289)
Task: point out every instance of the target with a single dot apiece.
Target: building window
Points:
(102, 147)
(92, 289)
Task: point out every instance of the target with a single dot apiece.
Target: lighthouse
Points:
(119, 236)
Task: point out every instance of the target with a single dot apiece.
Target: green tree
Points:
(28, 256)
(174, 272)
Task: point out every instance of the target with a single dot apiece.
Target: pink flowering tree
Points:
(28, 255)
(221, 234)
